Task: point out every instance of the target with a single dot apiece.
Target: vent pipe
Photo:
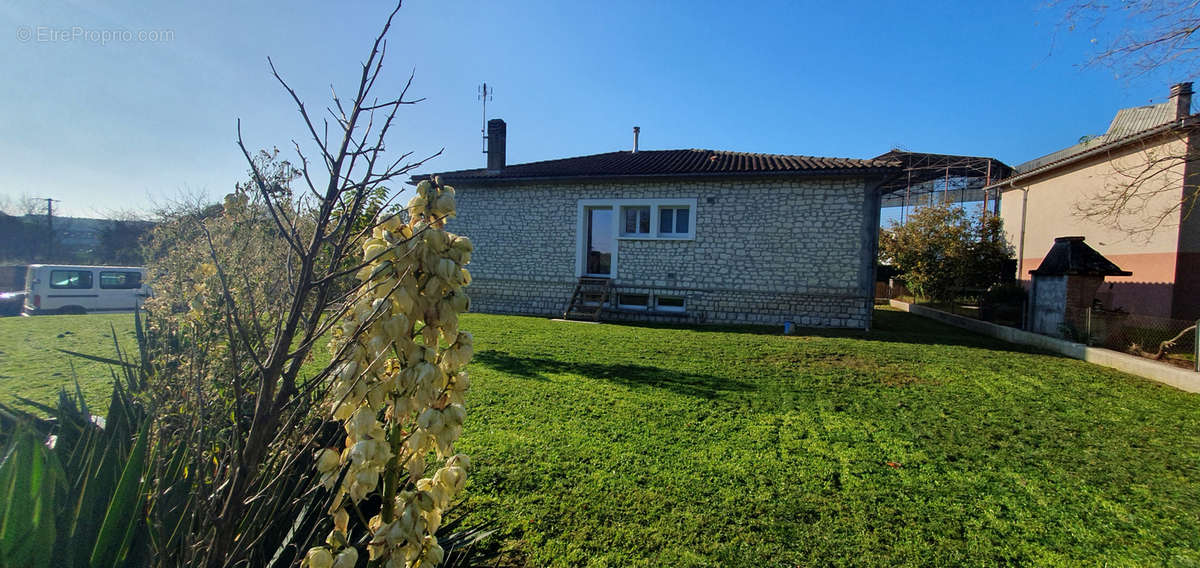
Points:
(636, 130)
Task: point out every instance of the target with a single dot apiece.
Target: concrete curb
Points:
(1182, 379)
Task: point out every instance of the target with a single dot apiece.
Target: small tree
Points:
(245, 290)
(942, 250)
(120, 242)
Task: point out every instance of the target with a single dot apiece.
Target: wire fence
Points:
(1170, 340)
(1166, 339)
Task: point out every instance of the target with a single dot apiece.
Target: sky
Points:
(118, 107)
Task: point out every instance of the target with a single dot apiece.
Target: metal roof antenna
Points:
(485, 95)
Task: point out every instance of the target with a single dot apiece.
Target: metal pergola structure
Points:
(927, 179)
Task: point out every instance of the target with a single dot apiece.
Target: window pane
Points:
(633, 300)
(71, 279)
(681, 220)
(637, 220)
(120, 280)
(669, 302)
(666, 219)
(599, 241)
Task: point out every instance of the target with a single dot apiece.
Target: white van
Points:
(68, 289)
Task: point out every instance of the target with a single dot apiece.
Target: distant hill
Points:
(82, 240)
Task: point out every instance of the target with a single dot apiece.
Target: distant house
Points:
(674, 235)
(1154, 145)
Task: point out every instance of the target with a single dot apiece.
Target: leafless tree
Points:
(1152, 188)
(23, 204)
(313, 208)
(1153, 34)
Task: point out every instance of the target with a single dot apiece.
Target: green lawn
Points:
(32, 366)
(915, 444)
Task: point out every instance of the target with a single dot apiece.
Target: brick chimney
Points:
(496, 131)
(1181, 95)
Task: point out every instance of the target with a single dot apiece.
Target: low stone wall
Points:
(1182, 379)
(534, 297)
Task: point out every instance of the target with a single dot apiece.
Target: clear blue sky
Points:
(114, 125)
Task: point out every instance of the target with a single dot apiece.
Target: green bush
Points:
(941, 250)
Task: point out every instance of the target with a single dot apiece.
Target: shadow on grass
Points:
(892, 326)
(689, 384)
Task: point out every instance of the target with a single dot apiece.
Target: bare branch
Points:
(1149, 188)
(1153, 34)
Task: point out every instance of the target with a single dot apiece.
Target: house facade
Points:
(682, 235)
(1150, 149)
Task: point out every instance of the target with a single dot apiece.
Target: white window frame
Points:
(581, 234)
(674, 219)
(650, 209)
(619, 224)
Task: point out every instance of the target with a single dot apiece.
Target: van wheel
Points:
(72, 310)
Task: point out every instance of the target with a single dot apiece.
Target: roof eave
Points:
(1189, 122)
(507, 180)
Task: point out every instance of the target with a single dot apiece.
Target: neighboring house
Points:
(1154, 148)
(681, 235)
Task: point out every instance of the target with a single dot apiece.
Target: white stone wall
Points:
(766, 251)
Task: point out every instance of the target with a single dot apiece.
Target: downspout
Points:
(1029, 302)
(1024, 212)
(1021, 239)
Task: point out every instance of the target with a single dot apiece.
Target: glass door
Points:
(601, 242)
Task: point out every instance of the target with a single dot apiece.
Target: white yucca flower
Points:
(401, 386)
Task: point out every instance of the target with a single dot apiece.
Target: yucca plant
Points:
(214, 464)
(72, 485)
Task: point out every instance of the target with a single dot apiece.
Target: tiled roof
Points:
(652, 163)
(1070, 255)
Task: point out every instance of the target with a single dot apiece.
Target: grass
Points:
(32, 365)
(914, 444)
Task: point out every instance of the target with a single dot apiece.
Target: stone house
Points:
(1153, 149)
(676, 235)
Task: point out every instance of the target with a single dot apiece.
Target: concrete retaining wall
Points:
(1182, 379)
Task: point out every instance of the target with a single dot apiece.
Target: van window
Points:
(120, 280)
(71, 279)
